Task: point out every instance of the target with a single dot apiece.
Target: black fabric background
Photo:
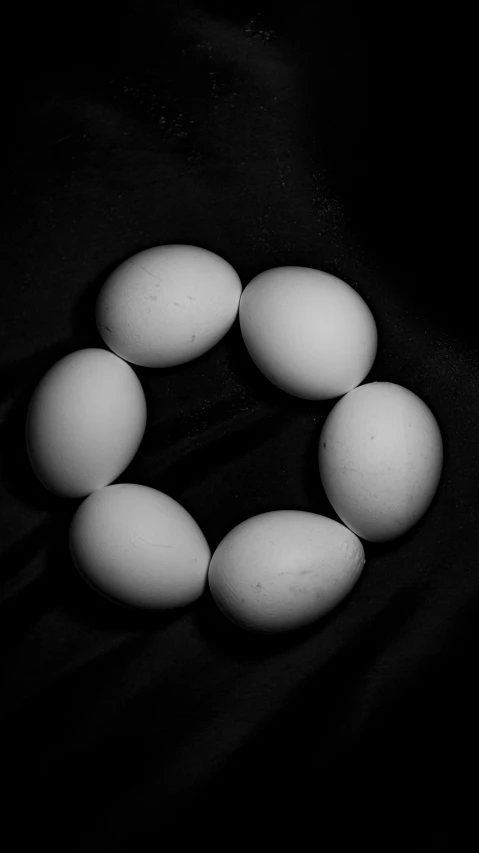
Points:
(320, 136)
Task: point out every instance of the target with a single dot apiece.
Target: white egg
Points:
(284, 569)
(139, 547)
(168, 305)
(380, 459)
(309, 333)
(85, 422)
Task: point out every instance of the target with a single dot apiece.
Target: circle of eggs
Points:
(380, 459)
(167, 305)
(85, 422)
(139, 547)
(308, 332)
(284, 569)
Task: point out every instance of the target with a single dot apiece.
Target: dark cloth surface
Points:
(308, 136)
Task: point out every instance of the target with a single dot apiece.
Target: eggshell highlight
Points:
(139, 547)
(284, 569)
(308, 332)
(85, 422)
(380, 460)
(168, 305)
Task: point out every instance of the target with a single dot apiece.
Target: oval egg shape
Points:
(308, 332)
(85, 422)
(168, 305)
(284, 569)
(139, 548)
(380, 460)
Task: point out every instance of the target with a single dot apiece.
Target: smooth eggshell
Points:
(85, 422)
(380, 459)
(284, 569)
(139, 547)
(309, 333)
(167, 305)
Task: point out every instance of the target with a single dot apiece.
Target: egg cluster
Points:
(380, 450)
